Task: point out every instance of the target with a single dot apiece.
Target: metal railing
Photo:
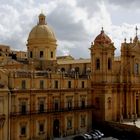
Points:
(53, 110)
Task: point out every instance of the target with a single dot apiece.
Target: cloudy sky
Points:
(76, 23)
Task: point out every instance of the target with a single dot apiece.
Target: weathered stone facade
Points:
(43, 96)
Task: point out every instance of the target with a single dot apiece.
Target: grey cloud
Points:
(18, 17)
(126, 3)
(22, 16)
(90, 6)
(65, 27)
(18, 20)
(79, 50)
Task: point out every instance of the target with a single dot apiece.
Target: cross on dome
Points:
(136, 37)
(102, 31)
(136, 30)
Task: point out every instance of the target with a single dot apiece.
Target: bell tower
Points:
(102, 57)
(102, 76)
(42, 19)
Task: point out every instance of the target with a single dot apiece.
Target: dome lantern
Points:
(42, 19)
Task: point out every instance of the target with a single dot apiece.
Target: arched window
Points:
(41, 54)
(51, 54)
(31, 54)
(109, 64)
(97, 64)
(109, 102)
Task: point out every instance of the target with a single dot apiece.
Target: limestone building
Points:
(43, 96)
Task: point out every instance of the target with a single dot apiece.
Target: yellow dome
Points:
(41, 32)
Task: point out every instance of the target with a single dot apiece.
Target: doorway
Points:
(137, 107)
(56, 128)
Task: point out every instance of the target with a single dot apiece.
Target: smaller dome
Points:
(102, 38)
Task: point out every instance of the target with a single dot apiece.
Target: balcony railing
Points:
(73, 75)
(53, 110)
(13, 91)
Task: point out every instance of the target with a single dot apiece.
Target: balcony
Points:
(23, 74)
(57, 90)
(53, 110)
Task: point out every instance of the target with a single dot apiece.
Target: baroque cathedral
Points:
(43, 96)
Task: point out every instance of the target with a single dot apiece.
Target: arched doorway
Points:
(137, 106)
(56, 128)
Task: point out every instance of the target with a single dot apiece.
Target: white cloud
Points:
(64, 47)
(76, 23)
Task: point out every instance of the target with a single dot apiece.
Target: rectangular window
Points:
(69, 84)
(31, 54)
(41, 84)
(41, 127)
(69, 104)
(97, 64)
(23, 130)
(56, 84)
(56, 106)
(69, 123)
(41, 54)
(41, 106)
(109, 63)
(83, 103)
(83, 84)
(23, 108)
(51, 54)
(23, 84)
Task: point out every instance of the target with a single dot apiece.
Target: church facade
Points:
(43, 96)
